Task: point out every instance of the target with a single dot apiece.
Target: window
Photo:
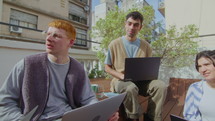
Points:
(84, 1)
(81, 38)
(23, 19)
(78, 19)
(77, 13)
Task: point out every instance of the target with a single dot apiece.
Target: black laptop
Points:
(176, 118)
(140, 69)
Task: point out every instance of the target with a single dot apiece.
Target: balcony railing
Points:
(17, 32)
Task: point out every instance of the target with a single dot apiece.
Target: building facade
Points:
(198, 12)
(128, 4)
(100, 12)
(31, 18)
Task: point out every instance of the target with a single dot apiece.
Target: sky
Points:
(154, 3)
(94, 3)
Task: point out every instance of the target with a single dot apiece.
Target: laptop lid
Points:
(176, 118)
(100, 111)
(139, 69)
(28, 116)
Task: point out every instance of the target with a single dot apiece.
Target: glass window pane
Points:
(23, 19)
(13, 21)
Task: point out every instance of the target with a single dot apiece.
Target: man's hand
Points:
(115, 117)
(114, 73)
(122, 76)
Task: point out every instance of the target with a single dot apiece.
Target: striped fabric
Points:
(191, 107)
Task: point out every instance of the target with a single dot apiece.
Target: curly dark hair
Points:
(135, 15)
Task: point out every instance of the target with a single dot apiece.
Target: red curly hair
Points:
(66, 25)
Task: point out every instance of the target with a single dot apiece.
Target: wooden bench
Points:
(174, 102)
(176, 93)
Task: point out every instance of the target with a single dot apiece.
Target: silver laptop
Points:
(139, 69)
(100, 111)
(176, 118)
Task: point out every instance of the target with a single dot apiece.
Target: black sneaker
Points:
(146, 117)
(128, 119)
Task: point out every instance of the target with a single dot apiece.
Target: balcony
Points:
(161, 7)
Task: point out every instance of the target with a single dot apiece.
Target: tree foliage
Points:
(176, 47)
(172, 46)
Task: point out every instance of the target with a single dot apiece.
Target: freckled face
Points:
(206, 68)
(57, 41)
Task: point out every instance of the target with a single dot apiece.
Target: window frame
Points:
(21, 22)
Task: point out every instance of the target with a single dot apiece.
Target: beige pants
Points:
(155, 89)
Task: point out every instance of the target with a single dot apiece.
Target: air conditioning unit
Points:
(161, 4)
(15, 29)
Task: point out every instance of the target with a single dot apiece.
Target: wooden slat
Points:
(144, 105)
(187, 84)
(173, 89)
(181, 92)
(176, 109)
(142, 99)
(167, 108)
(181, 98)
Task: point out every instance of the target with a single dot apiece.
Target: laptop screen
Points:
(139, 69)
(176, 118)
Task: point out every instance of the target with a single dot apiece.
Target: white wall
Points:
(198, 12)
(1, 8)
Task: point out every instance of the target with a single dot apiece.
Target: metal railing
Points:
(8, 24)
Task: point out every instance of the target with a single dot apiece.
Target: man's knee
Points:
(132, 89)
(128, 87)
(160, 85)
(158, 88)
